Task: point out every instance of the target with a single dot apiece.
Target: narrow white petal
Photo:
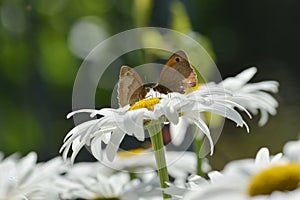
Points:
(264, 117)
(77, 130)
(133, 123)
(27, 163)
(247, 74)
(65, 150)
(276, 158)
(76, 147)
(171, 114)
(114, 143)
(203, 127)
(178, 131)
(262, 157)
(81, 111)
(96, 148)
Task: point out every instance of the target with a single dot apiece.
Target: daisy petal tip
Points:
(211, 151)
(247, 128)
(69, 115)
(254, 69)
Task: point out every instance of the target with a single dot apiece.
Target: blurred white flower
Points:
(23, 178)
(292, 150)
(116, 123)
(251, 96)
(180, 163)
(87, 181)
(194, 183)
(264, 178)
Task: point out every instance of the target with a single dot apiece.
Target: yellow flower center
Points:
(145, 103)
(277, 178)
(130, 153)
(192, 89)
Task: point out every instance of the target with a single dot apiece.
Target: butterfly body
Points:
(176, 76)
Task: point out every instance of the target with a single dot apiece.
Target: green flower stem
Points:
(159, 153)
(197, 146)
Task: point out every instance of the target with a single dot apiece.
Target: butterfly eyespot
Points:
(177, 59)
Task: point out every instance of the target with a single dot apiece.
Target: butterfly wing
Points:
(130, 87)
(177, 74)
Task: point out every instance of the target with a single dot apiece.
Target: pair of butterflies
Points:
(176, 76)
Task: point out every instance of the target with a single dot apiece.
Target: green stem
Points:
(197, 146)
(159, 153)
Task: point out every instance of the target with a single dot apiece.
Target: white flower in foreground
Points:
(195, 183)
(252, 96)
(85, 181)
(180, 164)
(25, 179)
(116, 123)
(292, 150)
(265, 178)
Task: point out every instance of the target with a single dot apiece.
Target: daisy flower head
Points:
(173, 99)
(89, 181)
(23, 178)
(265, 177)
(149, 106)
(114, 124)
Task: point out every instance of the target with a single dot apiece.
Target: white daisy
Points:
(86, 181)
(116, 123)
(252, 96)
(25, 179)
(263, 178)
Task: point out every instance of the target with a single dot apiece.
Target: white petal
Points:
(81, 111)
(27, 163)
(203, 127)
(234, 83)
(215, 176)
(262, 157)
(277, 158)
(76, 147)
(114, 143)
(178, 131)
(133, 123)
(96, 148)
(172, 114)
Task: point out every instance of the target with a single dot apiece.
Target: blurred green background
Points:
(43, 43)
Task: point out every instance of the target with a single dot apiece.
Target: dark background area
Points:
(39, 60)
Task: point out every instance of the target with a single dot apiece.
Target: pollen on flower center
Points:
(145, 103)
(131, 153)
(277, 178)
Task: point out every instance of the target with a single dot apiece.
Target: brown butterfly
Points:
(176, 76)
